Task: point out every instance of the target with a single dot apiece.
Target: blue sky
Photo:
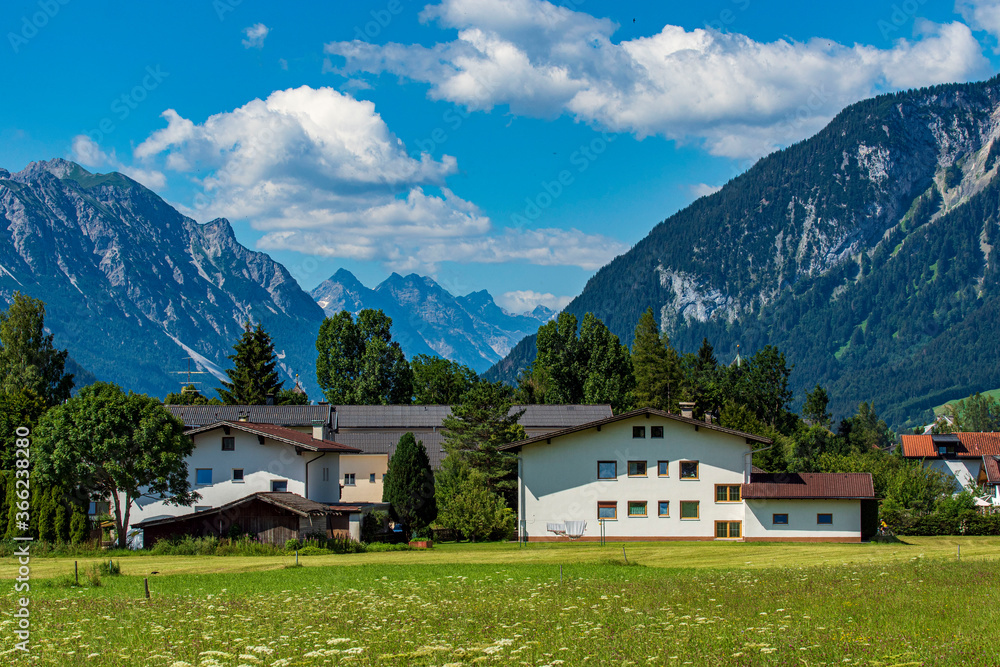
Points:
(508, 145)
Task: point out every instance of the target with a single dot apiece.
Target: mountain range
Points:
(132, 287)
(865, 253)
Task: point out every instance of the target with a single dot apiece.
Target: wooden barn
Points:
(272, 517)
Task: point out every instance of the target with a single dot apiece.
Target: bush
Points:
(379, 547)
(110, 569)
(313, 550)
(293, 545)
(373, 526)
(476, 512)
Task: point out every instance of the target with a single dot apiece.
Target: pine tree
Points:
(45, 511)
(656, 364)
(253, 377)
(409, 485)
(814, 409)
(60, 514)
(28, 359)
(477, 426)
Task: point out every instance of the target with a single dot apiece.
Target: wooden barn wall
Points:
(264, 521)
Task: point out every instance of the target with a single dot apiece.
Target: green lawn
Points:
(685, 603)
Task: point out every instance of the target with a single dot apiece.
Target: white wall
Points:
(363, 466)
(802, 524)
(962, 471)
(559, 480)
(261, 465)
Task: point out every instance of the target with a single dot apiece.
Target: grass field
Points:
(685, 603)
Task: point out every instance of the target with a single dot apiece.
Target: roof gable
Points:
(967, 445)
(287, 436)
(548, 437)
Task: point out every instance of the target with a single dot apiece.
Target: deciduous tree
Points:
(115, 446)
(438, 381)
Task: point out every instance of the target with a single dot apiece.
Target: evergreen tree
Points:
(28, 360)
(409, 485)
(45, 509)
(79, 531)
(358, 363)
(815, 408)
(977, 413)
(658, 376)
(60, 514)
(18, 408)
(253, 377)
(865, 431)
(6, 479)
(477, 426)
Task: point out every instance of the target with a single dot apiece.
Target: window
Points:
(349, 479)
(728, 529)
(689, 509)
(637, 508)
(607, 470)
(826, 519)
(638, 431)
(779, 519)
(371, 478)
(326, 474)
(664, 509)
(689, 470)
(636, 468)
(607, 511)
(279, 486)
(229, 444)
(655, 431)
(202, 508)
(203, 476)
(727, 493)
(237, 474)
(663, 468)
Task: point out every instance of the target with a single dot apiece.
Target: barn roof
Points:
(194, 416)
(291, 502)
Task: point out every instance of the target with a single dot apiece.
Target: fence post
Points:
(145, 581)
(76, 572)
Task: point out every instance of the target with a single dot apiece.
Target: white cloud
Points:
(88, 153)
(256, 34)
(523, 301)
(740, 97)
(981, 15)
(322, 174)
(704, 189)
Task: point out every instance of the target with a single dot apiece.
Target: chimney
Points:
(687, 409)
(317, 425)
(270, 399)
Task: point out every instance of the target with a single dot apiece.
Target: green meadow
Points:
(911, 603)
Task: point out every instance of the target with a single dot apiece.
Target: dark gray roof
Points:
(292, 502)
(415, 416)
(194, 416)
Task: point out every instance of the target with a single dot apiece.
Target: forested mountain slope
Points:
(865, 253)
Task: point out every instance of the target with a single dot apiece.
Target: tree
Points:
(409, 485)
(977, 413)
(656, 365)
(438, 381)
(561, 354)
(116, 446)
(358, 363)
(253, 377)
(189, 395)
(18, 408)
(814, 409)
(864, 431)
(609, 378)
(28, 360)
(79, 530)
(767, 384)
(477, 426)
(476, 512)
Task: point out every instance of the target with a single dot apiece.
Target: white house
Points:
(236, 459)
(970, 459)
(651, 475)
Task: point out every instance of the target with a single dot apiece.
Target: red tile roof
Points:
(971, 445)
(992, 466)
(809, 485)
(281, 434)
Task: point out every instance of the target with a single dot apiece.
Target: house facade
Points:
(375, 430)
(969, 459)
(233, 460)
(651, 475)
